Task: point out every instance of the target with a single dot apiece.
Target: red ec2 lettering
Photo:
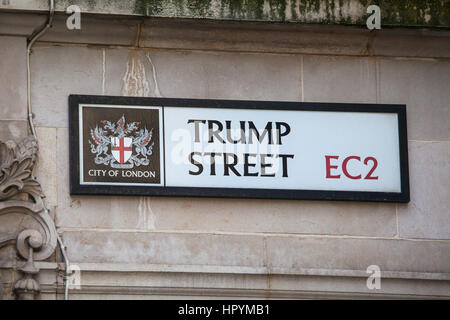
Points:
(335, 167)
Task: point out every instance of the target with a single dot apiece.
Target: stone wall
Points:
(155, 247)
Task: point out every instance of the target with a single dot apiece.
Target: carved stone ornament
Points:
(21, 193)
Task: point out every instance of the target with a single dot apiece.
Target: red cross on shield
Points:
(121, 148)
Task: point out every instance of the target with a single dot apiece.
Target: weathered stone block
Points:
(358, 254)
(339, 79)
(20, 24)
(427, 215)
(57, 72)
(13, 85)
(253, 37)
(411, 43)
(46, 170)
(274, 216)
(15, 130)
(164, 248)
(423, 86)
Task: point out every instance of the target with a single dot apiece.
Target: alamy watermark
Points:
(374, 280)
(73, 22)
(374, 20)
(74, 277)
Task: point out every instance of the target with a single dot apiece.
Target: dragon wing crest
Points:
(144, 138)
(99, 137)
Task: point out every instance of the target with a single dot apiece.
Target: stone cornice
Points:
(226, 281)
(233, 36)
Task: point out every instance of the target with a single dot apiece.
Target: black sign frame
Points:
(78, 189)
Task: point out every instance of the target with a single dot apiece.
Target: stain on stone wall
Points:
(134, 81)
(399, 12)
(430, 13)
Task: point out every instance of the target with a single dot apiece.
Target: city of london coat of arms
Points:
(121, 145)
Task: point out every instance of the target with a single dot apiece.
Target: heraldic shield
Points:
(121, 149)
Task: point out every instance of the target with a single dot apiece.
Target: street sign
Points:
(246, 149)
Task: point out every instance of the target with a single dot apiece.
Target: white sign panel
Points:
(309, 150)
